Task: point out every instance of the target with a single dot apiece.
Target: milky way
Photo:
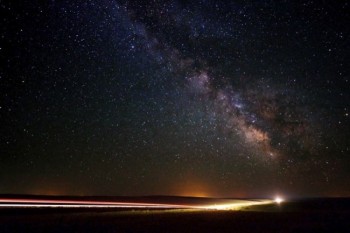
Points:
(212, 98)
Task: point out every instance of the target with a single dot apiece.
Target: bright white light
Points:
(278, 200)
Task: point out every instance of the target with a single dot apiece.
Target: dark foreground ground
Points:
(312, 215)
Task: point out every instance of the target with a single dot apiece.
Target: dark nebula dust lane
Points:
(197, 98)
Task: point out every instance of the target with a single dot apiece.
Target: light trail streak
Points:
(235, 206)
(87, 204)
(30, 203)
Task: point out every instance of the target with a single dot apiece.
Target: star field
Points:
(206, 98)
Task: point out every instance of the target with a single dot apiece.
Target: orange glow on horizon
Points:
(191, 188)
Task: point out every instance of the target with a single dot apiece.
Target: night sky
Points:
(201, 98)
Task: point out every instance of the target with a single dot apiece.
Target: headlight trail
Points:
(235, 205)
(84, 204)
(45, 203)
